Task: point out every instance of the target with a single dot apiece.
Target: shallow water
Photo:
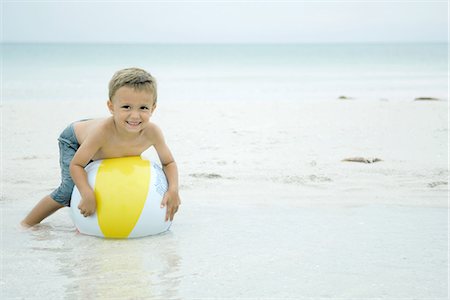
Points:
(236, 248)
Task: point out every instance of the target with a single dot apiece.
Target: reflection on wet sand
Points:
(123, 269)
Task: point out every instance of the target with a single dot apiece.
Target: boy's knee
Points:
(54, 203)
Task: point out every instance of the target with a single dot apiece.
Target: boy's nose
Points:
(134, 114)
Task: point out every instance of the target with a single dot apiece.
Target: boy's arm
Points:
(81, 158)
(171, 198)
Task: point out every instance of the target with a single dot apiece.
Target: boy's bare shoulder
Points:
(153, 132)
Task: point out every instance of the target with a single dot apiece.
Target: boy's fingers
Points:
(172, 214)
(171, 208)
(164, 201)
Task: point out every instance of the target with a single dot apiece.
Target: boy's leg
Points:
(42, 210)
(68, 145)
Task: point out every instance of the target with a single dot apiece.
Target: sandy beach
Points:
(269, 209)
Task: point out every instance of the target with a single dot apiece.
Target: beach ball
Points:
(128, 191)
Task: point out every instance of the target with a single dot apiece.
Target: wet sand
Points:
(269, 209)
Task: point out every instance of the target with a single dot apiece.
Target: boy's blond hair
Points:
(138, 79)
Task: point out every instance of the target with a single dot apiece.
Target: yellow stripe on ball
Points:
(124, 182)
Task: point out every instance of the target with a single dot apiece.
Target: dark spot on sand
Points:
(426, 99)
(366, 160)
(318, 178)
(21, 181)
(345, 98)
(206, 175)
(302, 180)
(27, 157)
(437, 183)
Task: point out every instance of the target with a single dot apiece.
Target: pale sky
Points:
(224, 21)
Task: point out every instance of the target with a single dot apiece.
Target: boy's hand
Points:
(171, 199)
(87, 204)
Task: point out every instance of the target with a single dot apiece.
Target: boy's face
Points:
(131, 109)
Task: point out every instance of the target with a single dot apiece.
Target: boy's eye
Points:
(126, 106)
(144, 107)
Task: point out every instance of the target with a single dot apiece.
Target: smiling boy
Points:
(128, 132)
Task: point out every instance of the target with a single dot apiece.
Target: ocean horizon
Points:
(228, 72)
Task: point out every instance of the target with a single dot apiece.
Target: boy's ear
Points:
(153, 107)
(110, 106)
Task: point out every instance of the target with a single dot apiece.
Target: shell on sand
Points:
(366, 160)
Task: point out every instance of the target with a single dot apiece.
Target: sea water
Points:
(263, 72)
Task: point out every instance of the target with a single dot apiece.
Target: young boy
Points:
(128, 132)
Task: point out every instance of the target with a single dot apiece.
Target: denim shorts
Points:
(68, 145)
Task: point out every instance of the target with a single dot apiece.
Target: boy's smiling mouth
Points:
(134, 124)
